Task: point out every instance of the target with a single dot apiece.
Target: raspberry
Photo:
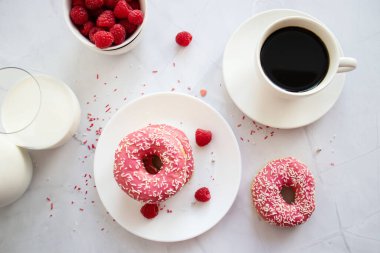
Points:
(78, 15)
(122, 9)
(103, 39)
(203, 137)
(93, 4)
(135, 5)
(202, 194)
(129, 28)
(77, 3)
(136, 17)
(118, 32)
(149, 211)
(110, 3)
(106, 19)
(85, 30)
(183, 38)
(92, 32)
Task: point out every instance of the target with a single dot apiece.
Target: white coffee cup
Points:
(337, 63)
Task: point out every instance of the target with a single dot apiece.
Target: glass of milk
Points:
(36, 111)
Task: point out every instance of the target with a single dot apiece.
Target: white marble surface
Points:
(347, 170)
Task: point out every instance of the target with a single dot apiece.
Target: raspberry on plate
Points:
(103, 39)
(79, 15)
(136, 17)
(183, 38)
(122, 9)
(203, 137)
(135, 4)
(202, 194)
(149, 211)
(118, 32)
(106, 19)
(94, 4)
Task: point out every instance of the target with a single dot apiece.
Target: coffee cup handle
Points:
(346, 64)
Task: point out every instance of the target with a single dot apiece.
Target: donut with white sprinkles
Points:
(172, 148)
(266, 192)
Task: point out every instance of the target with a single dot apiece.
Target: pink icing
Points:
(267, 186)
(129, 170)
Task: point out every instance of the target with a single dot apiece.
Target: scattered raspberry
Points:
(77, 3)
(110, 3)
(103, 39)
(203, 92)
(135, 5)
(183, 38)
(78, 15)
(129, 27)
(118, 32)
(122, 9)
(106, 19)
(85, 30)
(92, 32)
(203, 137)
(94, 4)
(149, 211)
(202, 194)
(136, 17)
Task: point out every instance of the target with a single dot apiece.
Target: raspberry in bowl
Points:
(107, 26)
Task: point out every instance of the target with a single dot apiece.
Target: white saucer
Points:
(188, 217)
(245, 90)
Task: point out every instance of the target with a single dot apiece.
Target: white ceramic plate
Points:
(246, 90)
(188, 217)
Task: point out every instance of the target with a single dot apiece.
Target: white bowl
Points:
(122, 48)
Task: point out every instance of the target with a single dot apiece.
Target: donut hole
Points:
(152, 163)
(288, 194)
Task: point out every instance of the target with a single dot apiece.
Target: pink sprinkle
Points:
(107, 105)
(97, 76)
(85, 157)
(75, 187)
(88, 146)
(252, 132)
(239, 125)
(89, 175)
(154, 71)
(241, 138)
(81, 209)
(174, 64)
(108, 109)
(92, 124)
(48, 199)
(85, 192)
(93, 146)
(243, 118)
(114, 90)
(88, 129)
(51, 206)
(203, 92)
(266, 137)
(84, 142)
(125, 98)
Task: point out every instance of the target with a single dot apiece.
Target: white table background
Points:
(347, 170)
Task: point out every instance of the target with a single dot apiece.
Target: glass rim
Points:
(2, 130)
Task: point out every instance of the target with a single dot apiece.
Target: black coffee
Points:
(295, 59)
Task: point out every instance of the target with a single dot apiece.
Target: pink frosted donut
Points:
(184, 141)
(267, 186)
(129, 168)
